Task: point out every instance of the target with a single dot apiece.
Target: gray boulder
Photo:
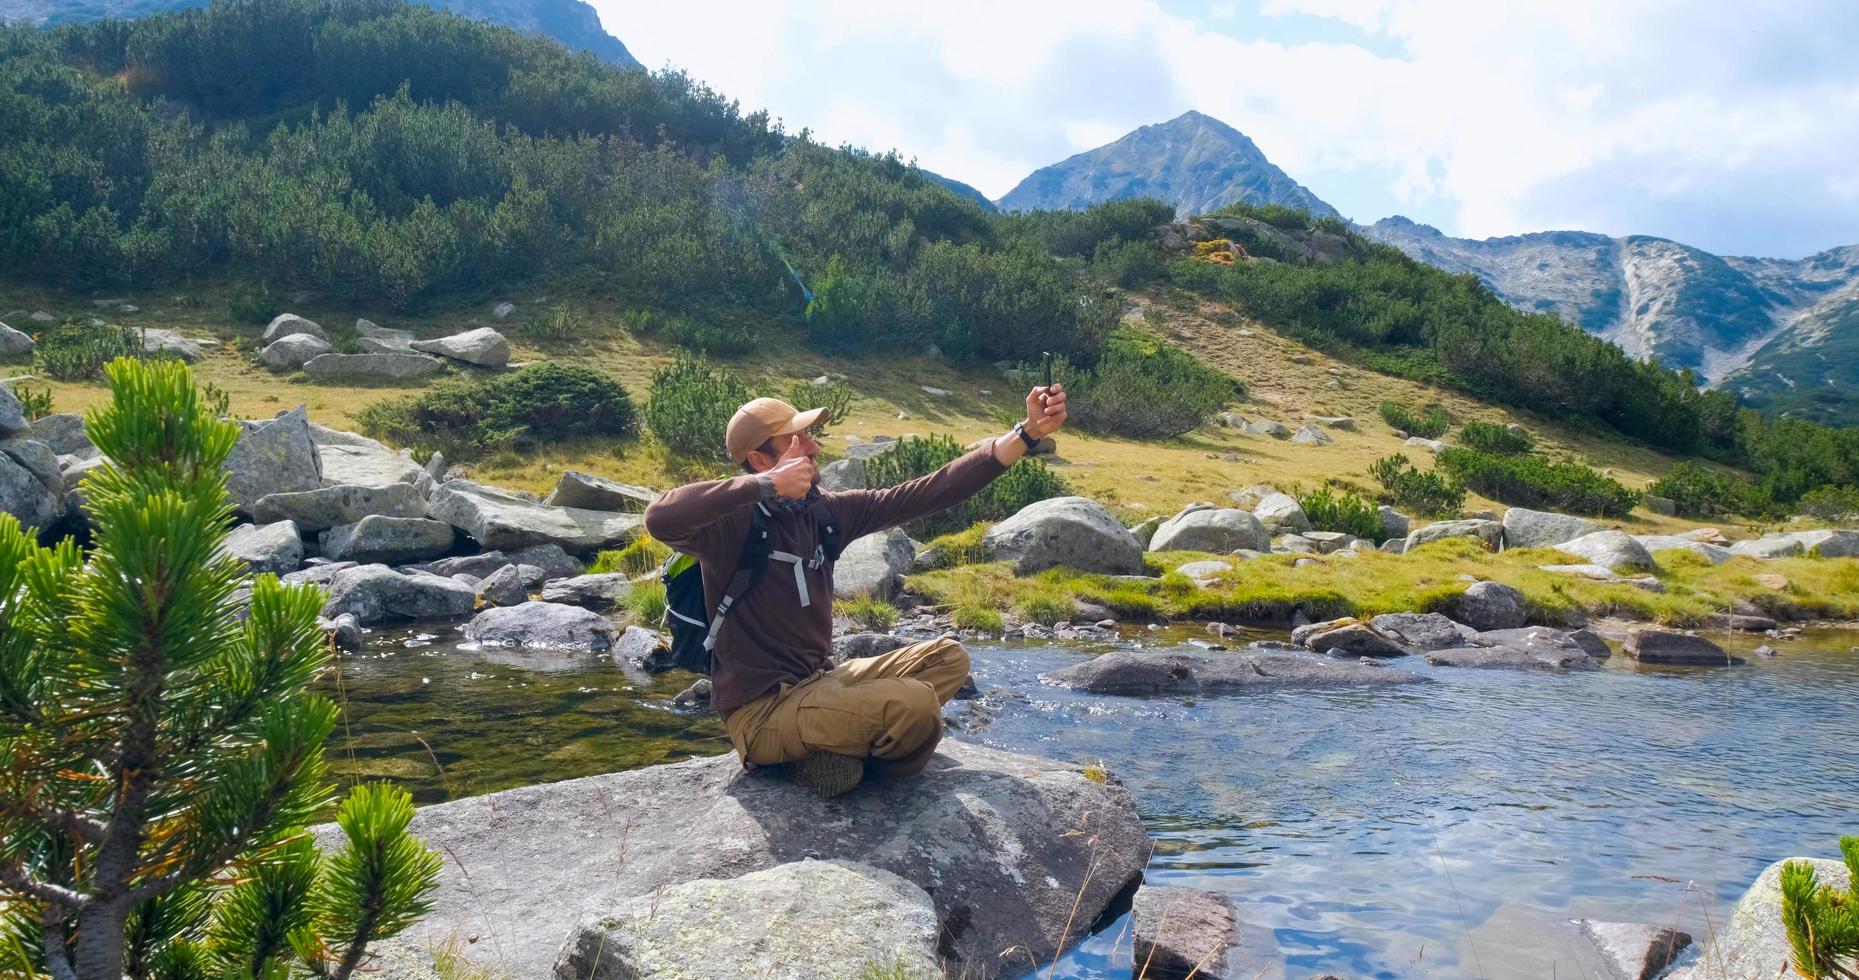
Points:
(1655, 543)
(1205, 573)
(504, 587)
(12, 414)
(1347, 638)
(1520, 648)
(1267, 427)
(276, 547)
(644, 649)
(1490, 606)
(27, 498)
(377, 594)
(1615, 551)
(1216, 530)
(1342, 422)
(1050, 851)
(599, 592)
(1829, 544)
(1310, 435)
(543, 626)
(1423, 631)
(1524, 528)
(497, 520)
(372, 367)
(1591, 643)
(1653, 646)
(1182, 931)
(857, 646)
(590, 492)
(1490, 534)
(482, 565)
(1188, 672)
(273, 457)
(171, 343)
(13, 343)
(363, 466)
(484, 347)
(291, 352)
(1753, 944)
(844, 474)
(1430, 445)
(390, 540)
(327, 507)
(316, 571)
(554, 561)
(804, 919)
(1075, 532)
(874, 566)
(1769, 546)
(1663, 506)
(38, 459)
(371, 338)
(290, 324)
(1394, 524)
(345, 632)
(1635, 950)
(63, 432)
(1248, 498)
(1281, 514)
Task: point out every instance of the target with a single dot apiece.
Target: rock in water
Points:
(873, 566)
(1652, 646)
(1015, 850)
(802, 919)
(590, 492)
(322, 509)
(377, 594)
(1754, 944)
(1216, 530)
(599, 592)
(543, 626)
(1349, 638)
(504, 587)
(291, 352)
(290, 324)
(390, 540)
(643, 649)
(1524, 528)
(1615, 551)
(1635, 950)
(857, 646)
(1490, 606)
(1071, 531)
(1180, 671)
(371, 367)
(1522, 648)
(273, 457)
(1182, 931)
(484, 347)
(276, 548)
(1424, 631)
(499, 521)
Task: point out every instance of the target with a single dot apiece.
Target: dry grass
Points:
(1135, 478)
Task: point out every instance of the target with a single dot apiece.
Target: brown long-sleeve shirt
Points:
(770, 638)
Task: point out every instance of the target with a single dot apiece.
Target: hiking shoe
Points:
(828, 774)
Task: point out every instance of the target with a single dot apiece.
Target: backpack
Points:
(693, 627)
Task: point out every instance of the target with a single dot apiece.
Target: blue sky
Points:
(1730, 126)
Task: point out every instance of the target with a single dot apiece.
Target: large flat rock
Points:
(500, 521)
(1182, 671)
(1003, 843)
(1753, 945)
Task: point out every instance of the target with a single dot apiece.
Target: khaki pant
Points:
(887, 708)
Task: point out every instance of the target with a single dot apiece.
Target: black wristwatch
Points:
(1019, 429)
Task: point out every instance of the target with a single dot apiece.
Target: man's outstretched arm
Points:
(687, 518)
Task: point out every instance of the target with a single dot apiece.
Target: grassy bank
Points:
(1273, 588)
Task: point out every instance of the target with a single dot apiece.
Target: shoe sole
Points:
(828, 774)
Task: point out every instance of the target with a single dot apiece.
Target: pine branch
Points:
(13, 877)
(57, 957)
(88, 828)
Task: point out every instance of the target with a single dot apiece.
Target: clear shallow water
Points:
(1447, 829)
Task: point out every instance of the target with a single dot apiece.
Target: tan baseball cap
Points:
(763, 419)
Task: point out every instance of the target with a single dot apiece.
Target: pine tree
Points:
(1823, 919)
(160, 753)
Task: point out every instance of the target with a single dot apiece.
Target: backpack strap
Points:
(826, 524)
(756, 551)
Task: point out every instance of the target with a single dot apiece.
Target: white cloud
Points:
(1486, 118)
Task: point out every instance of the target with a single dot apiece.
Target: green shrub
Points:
(1432, 493)
(562, 322)
(970, 617)
(690, 406)
(642, 556)
(1027, 481)
(712, 337)
(198, 739)
(36, 402)
(1145, 389)
(1698, 493)
(1346, 513)
(873, 614)
(1431, 425)
(1831, 504)
(72, 352)
(1490, 437)
(1822, 918)
(965, 547)
(541, 402)
(254, 305)
(1129, 265)
(834, 396)
(1532, 481)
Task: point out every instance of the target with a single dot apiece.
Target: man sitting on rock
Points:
(773, 678)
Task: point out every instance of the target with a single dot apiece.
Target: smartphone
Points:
(1047, 357)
